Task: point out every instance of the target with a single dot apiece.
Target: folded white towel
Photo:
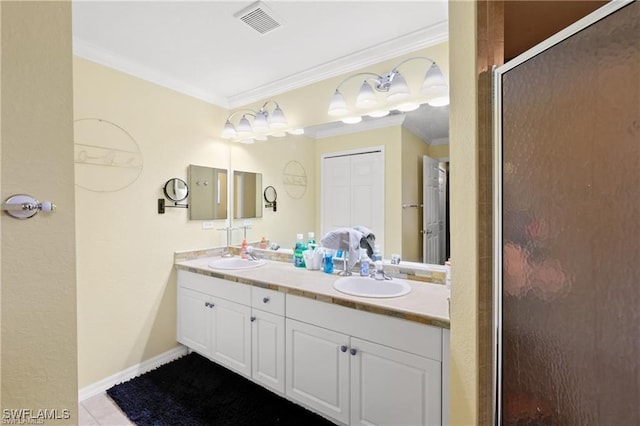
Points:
(345, 239)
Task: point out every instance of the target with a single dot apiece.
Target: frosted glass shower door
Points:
(568, 227)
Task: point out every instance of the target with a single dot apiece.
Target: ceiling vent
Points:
(259, 17)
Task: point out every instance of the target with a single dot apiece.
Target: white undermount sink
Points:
(236, 263)
(369, 287)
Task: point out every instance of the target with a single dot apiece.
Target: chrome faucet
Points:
(345, 267)
(250, 254)
(379, 273)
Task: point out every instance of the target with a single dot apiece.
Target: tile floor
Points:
(101, 410)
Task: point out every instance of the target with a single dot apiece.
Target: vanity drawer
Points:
(267, 300)
(216, 287)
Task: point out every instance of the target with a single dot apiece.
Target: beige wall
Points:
(439, 151)
(38, 255)
(464, 213)
(126, 282)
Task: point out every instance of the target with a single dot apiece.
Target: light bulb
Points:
(260, 123)
(244, 127)
(277, 119)
(378, 114)
(366, 96)
(228, 132)
(398, 90)
(337, 106)
(434, 87)
(439, 101)
(409, 106)
(352, 120)
(433, 78)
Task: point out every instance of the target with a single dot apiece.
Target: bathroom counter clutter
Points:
(427, 303)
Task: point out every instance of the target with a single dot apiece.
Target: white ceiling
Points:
(199, 48)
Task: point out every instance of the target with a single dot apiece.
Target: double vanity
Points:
(370, 359)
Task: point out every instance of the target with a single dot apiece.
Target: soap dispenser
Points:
(364, 264)
(243, 249)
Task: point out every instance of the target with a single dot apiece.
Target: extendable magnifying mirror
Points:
(176, 190)
(270, 196)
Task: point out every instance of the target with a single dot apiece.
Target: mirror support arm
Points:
(162, 205)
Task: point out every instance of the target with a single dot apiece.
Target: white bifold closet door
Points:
(352, 191)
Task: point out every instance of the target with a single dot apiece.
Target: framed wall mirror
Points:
(247, 195)
(208, 193)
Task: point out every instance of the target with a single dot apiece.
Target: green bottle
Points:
(298, 257)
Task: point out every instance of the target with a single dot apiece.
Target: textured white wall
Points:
(464, 214)
(38, 255)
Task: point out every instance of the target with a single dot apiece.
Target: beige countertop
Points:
(427, 303)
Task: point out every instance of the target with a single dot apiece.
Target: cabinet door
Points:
(267, 349)
(231, 335)
(194, 320)
(392, 387)
(317, 363)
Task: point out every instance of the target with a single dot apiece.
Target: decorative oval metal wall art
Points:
(107, 158)
(294, 179)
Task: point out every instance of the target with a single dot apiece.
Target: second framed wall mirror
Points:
(247, 195)
(208, 193)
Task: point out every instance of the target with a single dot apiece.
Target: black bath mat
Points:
(195, 391)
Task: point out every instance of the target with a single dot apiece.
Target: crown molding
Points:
(338, 128)
(101, 56)
(399, 46)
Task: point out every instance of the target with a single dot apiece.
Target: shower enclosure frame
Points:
(498, 73)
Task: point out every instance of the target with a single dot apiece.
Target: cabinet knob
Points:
(343, 348)
(253, 319)
(353, 351)
(207, 304)
(265, 300)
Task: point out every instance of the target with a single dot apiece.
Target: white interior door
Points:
(352, 191)
(335, 205)
(442, 213)
(430, 216)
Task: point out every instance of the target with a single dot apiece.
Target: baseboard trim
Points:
(131, 372)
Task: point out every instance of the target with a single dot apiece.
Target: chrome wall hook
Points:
(23, 206)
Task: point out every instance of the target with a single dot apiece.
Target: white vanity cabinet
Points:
(214, 326)
(353, 366)
(392, 387)
(231, 335)
(239, 326)
(267, 338)
(318, 369)
(360, 368)
(194, 320)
